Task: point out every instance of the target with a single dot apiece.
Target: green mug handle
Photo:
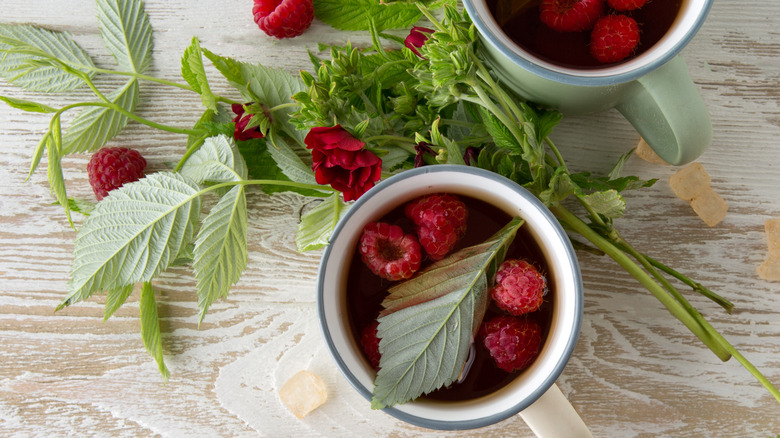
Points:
(665, 107)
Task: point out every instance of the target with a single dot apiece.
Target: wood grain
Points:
(636, 371)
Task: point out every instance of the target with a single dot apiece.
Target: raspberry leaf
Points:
(429, 321)
(217, 160)
(359, 14)
(127, 33)
(318, 223)
(95, 126)
(26, 55)
(114, 300)
(221, 248)
(193, 71)
(150, 327)
(133, 234)
(220, 254)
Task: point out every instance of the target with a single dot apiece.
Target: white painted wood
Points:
(636, 372)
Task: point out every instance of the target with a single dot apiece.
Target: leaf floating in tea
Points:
(429, 321)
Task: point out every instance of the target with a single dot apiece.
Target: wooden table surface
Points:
(636, 372)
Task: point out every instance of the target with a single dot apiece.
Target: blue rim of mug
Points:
(503, 44)
(551, 377)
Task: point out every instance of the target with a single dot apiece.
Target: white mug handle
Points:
(553, 416)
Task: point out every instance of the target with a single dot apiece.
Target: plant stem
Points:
(644, 278)
(696, 286)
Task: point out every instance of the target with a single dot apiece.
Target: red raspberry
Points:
(370, 343)
(389, 253)
(111, 167)
(570, 15)
(519, 288)
(441, 222)
(283, 18)
(512, 342)
(614, 38)
(626, 5)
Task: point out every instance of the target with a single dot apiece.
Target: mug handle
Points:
(552, 416)
(667, 110)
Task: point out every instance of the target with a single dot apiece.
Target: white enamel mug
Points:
(533, 394)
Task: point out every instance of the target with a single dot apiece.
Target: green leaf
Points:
(54, 167)
(543, 120)
(193, 71)
(221, 248)
(609, 204)
(429, 321)
(133, 234)
(317, 224)
(126, 32)
(290, 163)
(261, 165)
(114, 300)
(27, 105)
(217, 160)
(26, 55)
(79, 206)
(150, 328)
(229, 67)
(590, 182)
(358, 14)
(502, 137)
(95, 126)
(559, 188)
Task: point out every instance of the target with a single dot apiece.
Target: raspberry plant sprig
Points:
(443, 106)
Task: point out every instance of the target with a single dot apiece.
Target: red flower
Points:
(417, 38)
(242, 120)
(341, 161)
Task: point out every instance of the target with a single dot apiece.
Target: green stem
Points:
(644, 278)
(696, 286)
(556, 152)
(400, 141)
(282, 106)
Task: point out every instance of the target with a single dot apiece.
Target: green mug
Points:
(654, 91)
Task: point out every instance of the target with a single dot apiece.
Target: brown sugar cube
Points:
(772, 228)
(770, 269)
(710, 207)
(645, 152)
(690, 181)
(303, 393)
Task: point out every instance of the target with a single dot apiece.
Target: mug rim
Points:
(568, 339)
(614, 74)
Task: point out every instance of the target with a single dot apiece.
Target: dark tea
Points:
(520, 20)
(366, 291)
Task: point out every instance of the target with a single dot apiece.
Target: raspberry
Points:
(388, 252)
(512, 342)
(519, 288)
(570, 15)
(441, 222)
(626, 5)
(283, 18)
(110, 167)
(614, 38)
(370, 343)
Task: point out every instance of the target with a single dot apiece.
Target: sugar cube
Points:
(710, 206)
(690, 181)
(645, 152)
(303, 393)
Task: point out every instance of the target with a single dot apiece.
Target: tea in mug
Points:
(521, 21)
(365, 292)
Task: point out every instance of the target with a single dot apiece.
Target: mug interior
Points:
(689, 20)
(516, 201)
